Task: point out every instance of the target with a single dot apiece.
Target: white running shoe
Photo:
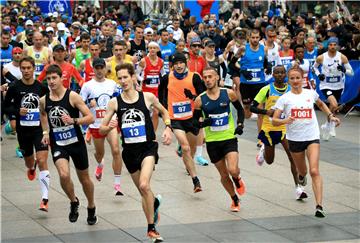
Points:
(325, 131)
(300, 193)
(260, 156)
(332, 131)
(254, 117)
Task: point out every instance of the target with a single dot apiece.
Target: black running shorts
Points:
(133, 158)
(218, 150)
(249, 91)
(335, 93)
(29, 140)
(297, 147)
(185, 125)
(77, 151)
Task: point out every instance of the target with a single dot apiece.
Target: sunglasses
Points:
(196, 45)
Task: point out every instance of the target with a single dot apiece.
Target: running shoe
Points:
(118, 190)
(325, 131)
(253, 117)
(260, 156)
(319, 212)
(240, 186)
(155, 236)
(98, 171)
(259, 144)
(235, 206)
(179, 151)
(19, 153)
(44, 205)
(197, 187)
(157, 204)
(302, 180)
(332, 131)
(91, 219)
(8, 129)
(88, 137)
(74, 211)
(300, 193)
(201, 161)
(31, 173)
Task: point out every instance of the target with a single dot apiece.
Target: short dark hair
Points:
(208, 68)
(54, 68)
(84, 36)
(27, 59)
(120, 43)
(128, 66)
(298, 46)
(94, 42)
(162, 31)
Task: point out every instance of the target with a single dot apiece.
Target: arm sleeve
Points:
(9, 106)
(316, 68)
(163, 91)
(240, 111)
(254, 108)
(198, 84)
(10, 77)
(349, 70)
(224, 70)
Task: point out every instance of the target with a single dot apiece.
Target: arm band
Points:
(349, 70)
(254, 108)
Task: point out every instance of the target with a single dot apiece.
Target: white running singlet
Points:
(334, 79)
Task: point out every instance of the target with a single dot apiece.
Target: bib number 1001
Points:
(301, 113)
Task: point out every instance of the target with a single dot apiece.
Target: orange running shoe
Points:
(44, 205)
(88, 137)
(155, 236)
(31, 174)
(235, 207)
(240, 190)
(98, 172)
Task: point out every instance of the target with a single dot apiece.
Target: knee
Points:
(116, 152)
(314, 172)
(144, 187)
(233, 171)
(64, 176)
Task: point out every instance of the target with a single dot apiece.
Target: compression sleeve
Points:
(349, 71)
(240, 111)
(198, 84)
(163, 90)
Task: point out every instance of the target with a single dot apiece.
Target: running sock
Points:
(101, 164)
(301, 178)
(151, 227)
(44, 179)
(116, 179)
(199, 150)
(156, 203)
(236, 199)
(236, 181)
(319, 207)
(195, 180)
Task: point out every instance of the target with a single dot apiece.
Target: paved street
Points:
(269, 211)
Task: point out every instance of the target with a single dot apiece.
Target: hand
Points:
(270, 112)
(113, 123)
(239, 129)
(45, 140)
(166, 136)
(4, 87)
(247, 74)
(189, 95)
(268, 70)
(93, 103)
(341, 68)
(23, 111)
(67, 119)
(148, 81)
(340, 108)
(289, 120)
(336, 120)
(321, 77)
(205, 123)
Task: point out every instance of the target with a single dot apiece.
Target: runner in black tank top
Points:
(62, 107)
(140, 150)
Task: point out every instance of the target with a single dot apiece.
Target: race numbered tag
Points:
(256, 74)
(134, 132)
(301, 113)
(335, 79)
(32, 118)
(100, 112)
(219, 122)
(65, 135)
(39, 68)
(166, 67)
(153, 81)
(182, 109)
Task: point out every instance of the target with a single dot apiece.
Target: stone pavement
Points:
(269, 211)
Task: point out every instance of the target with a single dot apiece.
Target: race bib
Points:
(100, 112)
(32, 118)
(335, 79)
(301, 113)
(219, 122)
(39, 68)
(166, 67)
(134, 132)
(228, 82)
(153, 81)
(65, 135)
(256, 74)
(182, 109)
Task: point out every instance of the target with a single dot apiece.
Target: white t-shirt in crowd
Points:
(102, 92)
(300, 106)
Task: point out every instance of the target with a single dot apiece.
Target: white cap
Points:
(153, 43)
(114, 23)
(61, 26)
(50, 14)
(148, 30)
(55, 14)
(91, 19)
(29, 22)
(49, 28)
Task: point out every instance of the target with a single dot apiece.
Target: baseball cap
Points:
(58, 47)
(55, 14)
(61, 26)
(98, 62)
(195, 40)
(29, 32)
(76, 24)
(29, 22)
(16, 50)
(49, 28)
(210, 43)
(333, 39)
(36, 18)
(148, 30)
(170, 29)
(178, 57)
(127, 30)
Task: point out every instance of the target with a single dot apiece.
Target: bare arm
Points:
(107, 124)
(44, 122)
(72, 55)
(276, 121)
(87, 117)
(324, 108)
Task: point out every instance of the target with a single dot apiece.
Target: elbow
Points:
(253, 109)
(275, 122)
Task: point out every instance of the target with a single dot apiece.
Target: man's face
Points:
(310, 43)
(17, 55)
(127, 35)
(299, 53)
(271, 36)
(210, 78)
(94, 50)
(119, 51)
(126, 81)
(5, 39)
(54, 81)
(176, 24)
(93, 32)
(279, 73)
(99, 71)
(76, 29)
(27, 70)
(38, 39)
(139, 33)
(153, 50)
(165, 36)
(195, 48)
(332, 46)
(254, 39)
(59, 55)
(85, 43)
(179, 67)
